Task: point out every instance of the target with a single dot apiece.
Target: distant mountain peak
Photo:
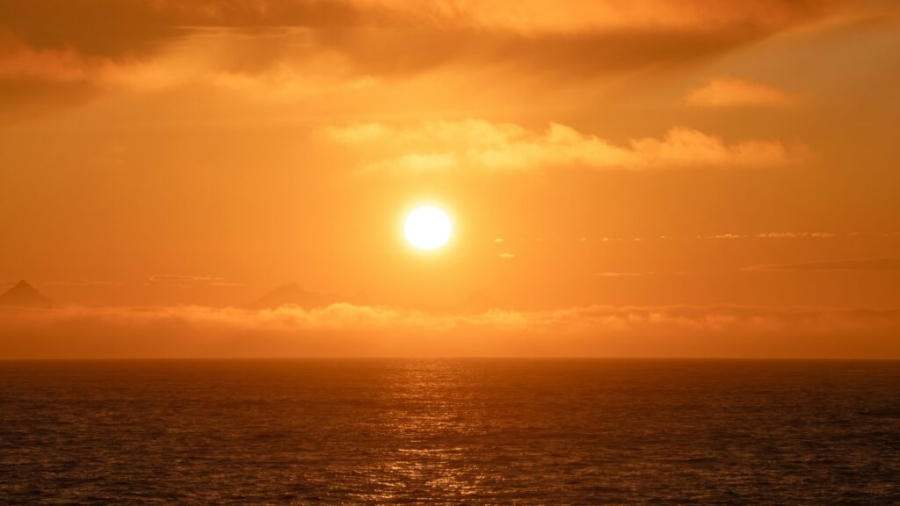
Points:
(23, 294)
(22, 285)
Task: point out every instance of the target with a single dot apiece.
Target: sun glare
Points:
(427, 228)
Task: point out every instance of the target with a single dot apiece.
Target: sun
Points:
(428, 228)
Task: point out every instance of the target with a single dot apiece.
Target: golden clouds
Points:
(259, 65)
(23, 62)
(731, 92)
(290, 49)
(568, 16)
(479, 145)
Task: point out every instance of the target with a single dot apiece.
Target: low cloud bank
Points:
(480, 145)
(345, 330)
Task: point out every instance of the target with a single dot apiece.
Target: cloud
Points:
(116, 27)
(18, 60)
(252, 67)
(280, 61)
(350, 330)
(573, 16)
(776, 235)
(867, 265)
(735, 236)
(637, 274)
(80, 282)
(280, 50)
(731, 92)
(486, 146)
(188, 280)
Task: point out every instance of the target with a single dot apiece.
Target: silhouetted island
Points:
(25, 295)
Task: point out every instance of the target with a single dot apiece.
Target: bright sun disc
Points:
(427, 228)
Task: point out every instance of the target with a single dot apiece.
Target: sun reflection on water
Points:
(433, 411)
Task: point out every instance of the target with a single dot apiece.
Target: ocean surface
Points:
(449, 432)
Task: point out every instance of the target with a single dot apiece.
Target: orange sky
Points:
(730, 167)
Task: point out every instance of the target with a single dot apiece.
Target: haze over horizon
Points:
(622, 178)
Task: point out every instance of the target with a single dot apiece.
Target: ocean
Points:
(489, 431)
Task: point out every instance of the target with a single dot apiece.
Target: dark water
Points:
(452, 432)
